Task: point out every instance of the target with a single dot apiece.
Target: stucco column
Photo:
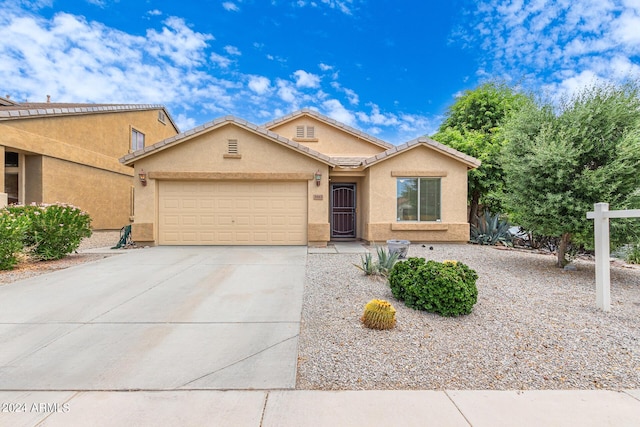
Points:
(3, 196)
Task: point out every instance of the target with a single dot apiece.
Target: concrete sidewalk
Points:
(322, 408)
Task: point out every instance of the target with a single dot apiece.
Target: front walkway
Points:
(354, 247)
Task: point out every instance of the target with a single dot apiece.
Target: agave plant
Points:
(386, 260)
(369, 266)
(491, 230)
(381, 267)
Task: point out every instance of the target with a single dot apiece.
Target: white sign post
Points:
(601, 215)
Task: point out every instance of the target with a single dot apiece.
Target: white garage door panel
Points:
(233, 213)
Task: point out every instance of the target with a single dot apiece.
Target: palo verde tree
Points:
(473, 126)
(559, 161)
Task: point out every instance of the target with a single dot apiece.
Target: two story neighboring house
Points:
(69, 153)
(303, 179)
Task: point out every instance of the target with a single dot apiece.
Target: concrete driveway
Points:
(162, 318)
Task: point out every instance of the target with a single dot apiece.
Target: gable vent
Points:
(232, 147)
(299, 131)
(311, 132)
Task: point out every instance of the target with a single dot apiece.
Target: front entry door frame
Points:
(343, 211)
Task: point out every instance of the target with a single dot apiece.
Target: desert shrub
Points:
(633, 254)
(367, 264)
(491, 230)
(12, 229)
(379, 314)
(381, 267)
(53, 231)
(447, 288)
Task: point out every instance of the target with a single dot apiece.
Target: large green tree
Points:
(559, 161)
(473, 126)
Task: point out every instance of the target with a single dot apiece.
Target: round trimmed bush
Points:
(447, 288)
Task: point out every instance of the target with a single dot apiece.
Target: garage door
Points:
(232, 213)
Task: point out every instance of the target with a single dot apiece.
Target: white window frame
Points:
(400, 217)
(137, 139)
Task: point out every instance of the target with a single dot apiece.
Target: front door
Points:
(343, 210)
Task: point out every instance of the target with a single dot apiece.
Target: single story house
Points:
(303, 179)
(69, 153)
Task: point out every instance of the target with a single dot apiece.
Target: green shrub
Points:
(12, 229)
(633, 254)
(53, 231)
(491, 230)
(447, 288)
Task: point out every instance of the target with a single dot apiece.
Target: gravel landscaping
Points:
(534, 327)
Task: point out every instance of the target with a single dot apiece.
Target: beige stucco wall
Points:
(33, 180)
(331, 141)
(104, 195)
(203, 157)
(104, 133)
(381, 220)
(75, 159)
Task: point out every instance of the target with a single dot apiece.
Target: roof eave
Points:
(331, 122)
(131, 158)
(470, 162)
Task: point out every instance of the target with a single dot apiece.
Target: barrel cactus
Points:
(379, 314)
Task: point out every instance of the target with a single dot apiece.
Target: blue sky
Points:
(388, 67)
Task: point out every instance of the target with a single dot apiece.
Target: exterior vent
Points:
(232, 147)
(162, 117)
(299, 131)
(311, 132)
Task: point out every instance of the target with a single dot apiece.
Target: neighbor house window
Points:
(418, 199)
(137, 140)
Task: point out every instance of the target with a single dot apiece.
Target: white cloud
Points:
(287, 92)
(337, 111)
(232, 50)
(219, 60)
(99, 3)
(76, 60)
(304, 79)
(325, 67)
(259, 84)
(230, 6)
(154, 12)
(178, 42)
(184, 123)
(557, 43)
(344, 6)
(352, 96)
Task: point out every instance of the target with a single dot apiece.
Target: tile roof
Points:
(329, 120)
(471, 162)
(26, 110)
(6, 101)
(348, 162)
(221, 121)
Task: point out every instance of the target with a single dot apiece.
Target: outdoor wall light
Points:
(143, 177)
(318, 178)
